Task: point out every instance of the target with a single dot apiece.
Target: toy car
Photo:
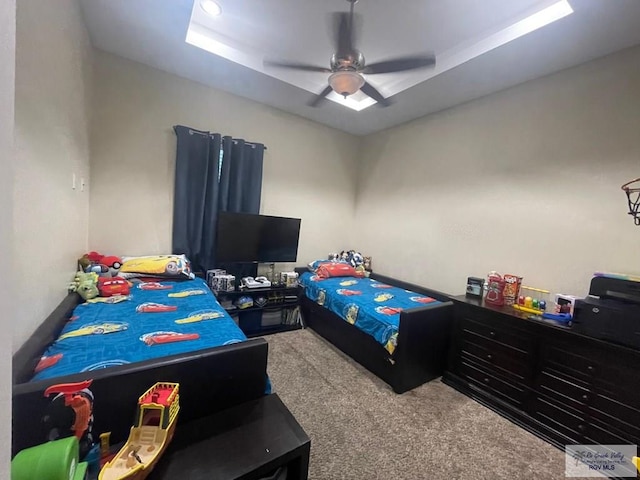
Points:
(98, 329)
(154, 286)
(158, 338)
(112, 286)
(200, 316)
(155, 308)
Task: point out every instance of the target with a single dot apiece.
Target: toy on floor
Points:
(56, 460)
(156, 419)
(71, 413)
(86, 285)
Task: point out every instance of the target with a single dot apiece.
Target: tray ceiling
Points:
(480, 46)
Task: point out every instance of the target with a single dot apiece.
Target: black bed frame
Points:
(210, 380)
(423, 338)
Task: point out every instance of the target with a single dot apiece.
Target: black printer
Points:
(611, 311)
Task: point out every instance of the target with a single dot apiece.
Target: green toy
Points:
(86, 284)
(57, 460)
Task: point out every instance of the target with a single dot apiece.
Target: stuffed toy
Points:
(103, 265)
(86, 285)
(352, 257)
(110, 286)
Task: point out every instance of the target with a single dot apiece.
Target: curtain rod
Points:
(208, 134)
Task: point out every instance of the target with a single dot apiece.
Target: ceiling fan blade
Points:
(345, 29)
(375, 94)
(400, 64)
(296, 66)
(320, 97)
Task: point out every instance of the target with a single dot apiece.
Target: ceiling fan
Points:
(348, 64)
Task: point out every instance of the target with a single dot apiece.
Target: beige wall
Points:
(309, 169)
(7, 77)
(52, 142)
(524, 181)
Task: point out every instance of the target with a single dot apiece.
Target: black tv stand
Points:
(281, 300)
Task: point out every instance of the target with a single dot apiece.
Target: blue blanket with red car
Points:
(157, 319)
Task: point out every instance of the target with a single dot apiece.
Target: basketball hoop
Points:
(632, 189)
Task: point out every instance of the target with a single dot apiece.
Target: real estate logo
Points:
(601, 461)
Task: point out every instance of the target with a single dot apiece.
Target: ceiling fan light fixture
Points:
(210, 7)
(346, 83)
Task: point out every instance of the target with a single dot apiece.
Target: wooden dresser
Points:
(564, 387)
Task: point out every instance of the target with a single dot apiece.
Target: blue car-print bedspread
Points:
(371, 306)
(156, 320)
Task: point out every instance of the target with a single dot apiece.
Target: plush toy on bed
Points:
(353, 258)
(86, 285)
(103, 265)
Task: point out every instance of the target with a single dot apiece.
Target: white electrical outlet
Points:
(73, 181)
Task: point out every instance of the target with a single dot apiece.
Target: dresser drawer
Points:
(620, 377)
(496, 356)
(560, 358)
(564, 420)
(563, 390)
(489, 381)
(602, 433)
(618, 415)
(499, 333)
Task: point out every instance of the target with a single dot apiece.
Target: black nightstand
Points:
(247, 442)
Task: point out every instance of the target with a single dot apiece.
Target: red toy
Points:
(94, 257)
(495, 289)
(46, 362)
(102, 264)
(111, 261)
(158, 338)
(75, 398)
(155, 308)
(109, 286)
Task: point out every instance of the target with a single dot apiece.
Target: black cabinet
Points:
(257, 440)
(280, 313)
(559, 384)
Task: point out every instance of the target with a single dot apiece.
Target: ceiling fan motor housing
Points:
(350, 61)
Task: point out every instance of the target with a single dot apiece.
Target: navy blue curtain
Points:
(241, 176)
(212, 174)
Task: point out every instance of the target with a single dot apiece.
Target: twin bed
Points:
(397, 330)
(164, 331)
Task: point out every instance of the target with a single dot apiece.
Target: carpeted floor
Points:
(360, 429)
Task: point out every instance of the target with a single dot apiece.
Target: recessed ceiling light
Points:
(211, 7)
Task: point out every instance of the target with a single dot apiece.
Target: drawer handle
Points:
(489, 356)
(486, 379)
(585, 397)
(582, 427)
(492, 333)
(590, 368)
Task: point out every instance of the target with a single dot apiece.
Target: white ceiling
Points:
(154, 32)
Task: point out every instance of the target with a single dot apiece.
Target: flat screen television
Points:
(244, 238)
